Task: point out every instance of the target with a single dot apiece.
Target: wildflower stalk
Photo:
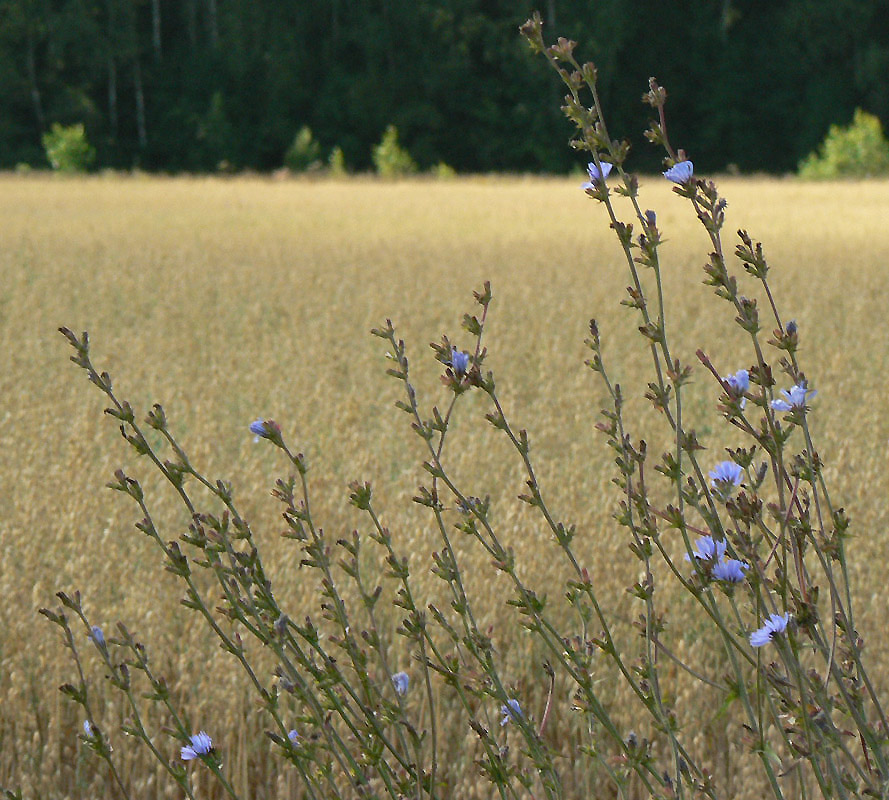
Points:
(447, 565)
(618, 440)
(792, 589)
(135, 726)
(475, 642)
(339, 612)
(93, 735)
(782, 479)
(161, 693)
(119, 676)
(413, 626)
(527, 602)
(369, 598)
(754, 262)
(241, 576)
(560, 532)
(594, 137)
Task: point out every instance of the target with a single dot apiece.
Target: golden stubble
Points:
(231, 299)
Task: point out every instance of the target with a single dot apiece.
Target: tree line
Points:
(192, 85)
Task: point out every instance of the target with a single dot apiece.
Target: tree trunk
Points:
(156, 28)
(391, 38)
(192, 22)
(112, 97)
(36, 99)
(213, 23)
(140, 106)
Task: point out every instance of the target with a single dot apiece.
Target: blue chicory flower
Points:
(459, 361)
(257, 428)
(265, 429)
(776, 623)
(201, 744)
(725, 474)
(730, 571)
(512, 710)
(738, 384)
(597, 176)
(740, 381)
(97, 636)
(294, 737)
(708, 549)
(88, 728)
(401, 681)
(680, 172)
(795, 397)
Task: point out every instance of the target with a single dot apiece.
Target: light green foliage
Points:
(444, 172)
(391, 159)
(217, 134)
(68, 149)
(337, 162)
(304, 153)
(859, 150)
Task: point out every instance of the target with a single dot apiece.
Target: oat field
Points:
(231, 299)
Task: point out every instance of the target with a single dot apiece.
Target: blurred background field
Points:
(231, 299)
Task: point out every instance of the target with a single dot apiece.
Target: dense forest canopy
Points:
(191, 84)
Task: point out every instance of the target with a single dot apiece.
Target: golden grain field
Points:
(231, 299)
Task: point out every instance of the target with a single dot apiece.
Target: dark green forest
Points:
(185, 85)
